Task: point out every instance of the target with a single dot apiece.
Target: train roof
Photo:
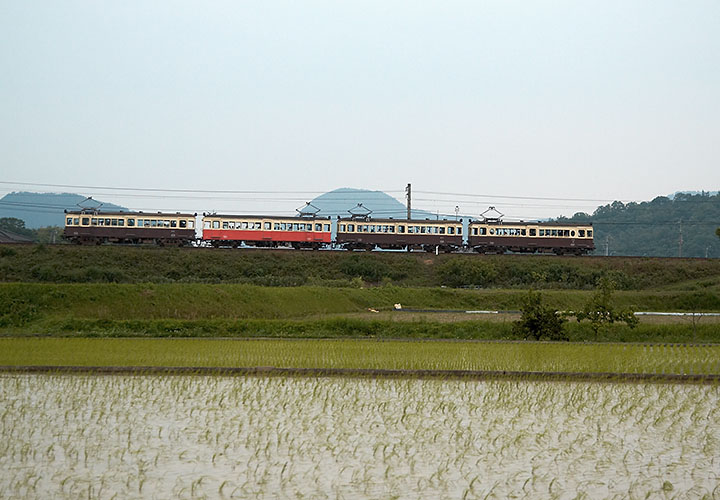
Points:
(102, 213)
(472, 221)
(266, 217)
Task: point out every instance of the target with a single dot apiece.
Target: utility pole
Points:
(680, 242)
(408, 194)
(607, 245)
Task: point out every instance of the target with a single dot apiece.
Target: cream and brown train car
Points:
(95, 228)
(545, 237)
(399, 234)
(266, 231)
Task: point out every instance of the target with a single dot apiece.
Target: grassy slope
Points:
(245, 310)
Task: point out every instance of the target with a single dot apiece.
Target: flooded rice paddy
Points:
(82, 436)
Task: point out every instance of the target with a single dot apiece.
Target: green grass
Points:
(197, 310)
(24, 302)
(365, 354)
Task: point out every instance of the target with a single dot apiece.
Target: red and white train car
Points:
(266, 231)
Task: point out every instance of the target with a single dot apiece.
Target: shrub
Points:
(538, 321)
(467, 272)
(601, 311)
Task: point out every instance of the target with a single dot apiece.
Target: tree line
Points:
(49, 234)
(685, 225)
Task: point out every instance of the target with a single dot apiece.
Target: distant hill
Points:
(654, 228)
(45, 209)
(340, 202)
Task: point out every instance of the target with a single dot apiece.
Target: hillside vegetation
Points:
(107, 264)
(655, 228)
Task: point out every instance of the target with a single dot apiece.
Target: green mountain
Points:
(45, 209)
(683, 225)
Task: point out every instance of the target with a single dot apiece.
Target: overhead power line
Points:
(169, 190)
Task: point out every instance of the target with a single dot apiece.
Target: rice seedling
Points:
(76, 436)
(678, 359)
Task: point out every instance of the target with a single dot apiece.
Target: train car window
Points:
(411, 229)
(268, 226)
(216, 224)
(351, 228)
(86, 221)
(107, 222)
(295, 227)
(191, 224)
(68, 222)
(391, 229)
(459, 230)
(401, 229)
(131, 222)
(276, 226)
(532, 232)
(589, 233)
(94, 222)
(101, 222)
(225, 225)
(183, 223)
(121, 222)
(582, 233)
(318, 227)
(326, 227)
(542, 232)
(572, 233)
(342, 227)
(206, 224)
(166, 223)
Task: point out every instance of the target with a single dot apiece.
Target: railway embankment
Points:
(64, 290)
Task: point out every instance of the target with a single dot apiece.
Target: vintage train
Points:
(312, 232)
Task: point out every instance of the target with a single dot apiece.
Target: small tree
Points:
(600, 311)
(16, 226)
(539, 321)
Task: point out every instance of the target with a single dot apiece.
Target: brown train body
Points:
(88, 227)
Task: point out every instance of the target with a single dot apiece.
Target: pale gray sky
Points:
(591, 100)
